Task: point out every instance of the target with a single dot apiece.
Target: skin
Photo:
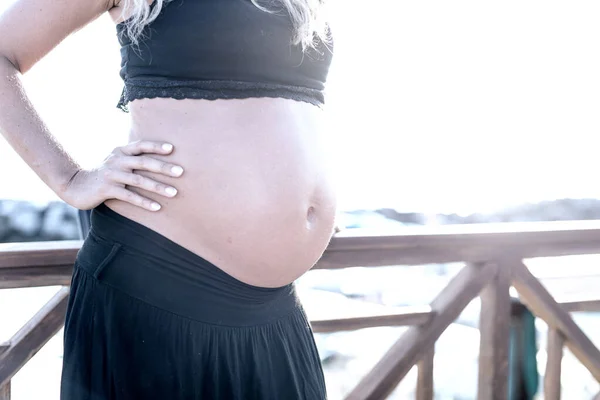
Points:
(241, 183)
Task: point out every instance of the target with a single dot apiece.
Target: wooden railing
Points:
(493, 257)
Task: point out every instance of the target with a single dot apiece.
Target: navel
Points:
(311, 216)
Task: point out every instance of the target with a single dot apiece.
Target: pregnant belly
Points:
(255, 199)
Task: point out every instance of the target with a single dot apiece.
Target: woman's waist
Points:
(254, 147)
(255, 198)
(148, 266)
(231, 117)
(244, 185)
(262, 238)
(263, 228)
(241, 170)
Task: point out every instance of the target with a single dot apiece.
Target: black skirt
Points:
(148, 319)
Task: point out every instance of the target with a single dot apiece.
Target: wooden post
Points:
(494, 328)
(418, 341)
(553, 365)
(5, 391)
(425, 376)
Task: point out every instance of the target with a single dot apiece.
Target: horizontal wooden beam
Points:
(458, 243)
(410, 316)
(581, 305)
(410, 246)
(29, 339)
(11, 278)
(38, 254)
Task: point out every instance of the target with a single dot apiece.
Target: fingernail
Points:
(177, 170)
(155, 206)
(167, 147)
(171, 191)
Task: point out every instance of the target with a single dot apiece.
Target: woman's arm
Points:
(29, 29)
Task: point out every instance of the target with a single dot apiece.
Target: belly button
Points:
(311, 216)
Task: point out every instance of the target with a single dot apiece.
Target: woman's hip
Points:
(148, 319)
(145, 265)
(120, 347)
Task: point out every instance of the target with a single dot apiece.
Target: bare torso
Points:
(255, 199)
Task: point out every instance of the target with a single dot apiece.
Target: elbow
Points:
(8, 63)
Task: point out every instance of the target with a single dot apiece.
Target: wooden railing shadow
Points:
(493, 257)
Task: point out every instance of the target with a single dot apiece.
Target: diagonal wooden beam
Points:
(417, 341)
(31, 337)
(494, 327)
(535, 296)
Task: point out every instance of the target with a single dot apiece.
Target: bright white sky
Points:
(434, 106)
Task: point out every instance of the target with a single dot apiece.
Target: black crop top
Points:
(221, 49)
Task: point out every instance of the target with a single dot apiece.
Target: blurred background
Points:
(439, 112)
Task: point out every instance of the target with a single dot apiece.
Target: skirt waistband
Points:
(144, 264)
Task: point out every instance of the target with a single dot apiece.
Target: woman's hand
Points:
(89, 188)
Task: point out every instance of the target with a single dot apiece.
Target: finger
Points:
(146, 146)
(130, 197)
(146, 163)
(139, 181)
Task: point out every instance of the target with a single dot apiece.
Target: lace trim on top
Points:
(213, 90)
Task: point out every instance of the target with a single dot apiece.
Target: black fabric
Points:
(221, 49)
(83, 218)
(148, 319)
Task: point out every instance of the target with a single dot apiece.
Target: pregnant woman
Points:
(183, 288)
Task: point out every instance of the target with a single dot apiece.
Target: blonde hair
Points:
(307, 18)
